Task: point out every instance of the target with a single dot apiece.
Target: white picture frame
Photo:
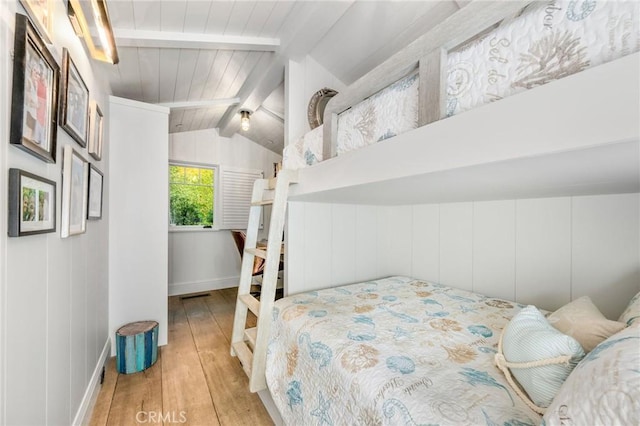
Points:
(97, 132)
(75, 182)
(96, 184)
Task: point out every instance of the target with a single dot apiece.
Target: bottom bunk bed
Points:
(401, 351)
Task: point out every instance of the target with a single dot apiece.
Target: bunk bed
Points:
(541, 43)
(405, 351)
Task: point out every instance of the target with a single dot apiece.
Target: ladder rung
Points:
(271, 183)
(256, 252)
(252, 303)
(262, 203)
(245, 356)
(251, 334)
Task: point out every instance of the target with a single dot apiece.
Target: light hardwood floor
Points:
(195, 380)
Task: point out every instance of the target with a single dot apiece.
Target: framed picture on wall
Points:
(97, 124)
(74, 101)
(75, 176)
(94, 209)
(32, 204)
(40, 12)
(34, 99)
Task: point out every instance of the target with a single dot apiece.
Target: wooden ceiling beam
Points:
(175, 40)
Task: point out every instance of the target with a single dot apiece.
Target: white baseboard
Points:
(268, 403)
(83, 415)
(177, 289)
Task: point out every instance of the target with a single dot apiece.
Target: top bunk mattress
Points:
(545, 42)
(391, 351)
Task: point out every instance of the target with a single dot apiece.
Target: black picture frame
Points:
(95, 193)
(32, 204)
(35, 73)
(74, 101)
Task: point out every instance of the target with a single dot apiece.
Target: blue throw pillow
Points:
(539, 356)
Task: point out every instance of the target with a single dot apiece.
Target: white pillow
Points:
(632, 312)
(529, 338)
(604, 389)
(582, 320)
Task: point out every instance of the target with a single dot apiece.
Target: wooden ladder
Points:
(250, 344)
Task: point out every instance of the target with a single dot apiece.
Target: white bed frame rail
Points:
(429, 54)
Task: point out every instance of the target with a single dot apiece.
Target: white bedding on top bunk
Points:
(388, 113)
(306, 151)
(546, 42)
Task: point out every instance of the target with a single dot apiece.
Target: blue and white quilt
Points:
(395, 351)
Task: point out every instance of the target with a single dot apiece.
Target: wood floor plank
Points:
(223, 312)
(227, 381)
(105, 396)
(185, 394)
(195, 373)
(137, 396)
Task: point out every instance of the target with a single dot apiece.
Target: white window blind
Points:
(236, 187)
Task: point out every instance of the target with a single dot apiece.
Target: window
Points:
(191, 195)
(210, 196)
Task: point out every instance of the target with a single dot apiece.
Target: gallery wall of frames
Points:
(46, 95)
(54, 216)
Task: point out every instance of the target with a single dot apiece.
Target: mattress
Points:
(390, 112)
(547, 41)
(391, 351)
(306, 151)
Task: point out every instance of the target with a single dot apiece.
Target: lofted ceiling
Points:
(209, 59)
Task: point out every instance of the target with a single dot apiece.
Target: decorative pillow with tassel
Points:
(538, 356)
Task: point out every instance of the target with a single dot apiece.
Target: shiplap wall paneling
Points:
(343, 235)
(494, 248)
(182, 262)
(317, 246)
(59, 338)
(605, 249)
(398, 252)
(456, 245)
(78, 355)
(138, 242)
(384, 231)
(367, 240)
(425, 256)
(294, 254)
(543, 252)
(26, 331)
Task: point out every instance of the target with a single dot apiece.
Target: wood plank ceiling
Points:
(233, 53)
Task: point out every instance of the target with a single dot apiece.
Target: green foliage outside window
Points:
(191, 196)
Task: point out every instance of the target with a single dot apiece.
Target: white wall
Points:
(139, 201)
(204, 260)
(53, 291)
(544, 251)
(302, 80)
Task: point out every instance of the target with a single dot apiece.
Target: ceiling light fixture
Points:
(96, 33)
(245, 116)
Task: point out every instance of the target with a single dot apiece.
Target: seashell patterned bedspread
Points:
(393, 351)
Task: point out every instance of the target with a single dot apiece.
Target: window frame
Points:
(216, 188)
